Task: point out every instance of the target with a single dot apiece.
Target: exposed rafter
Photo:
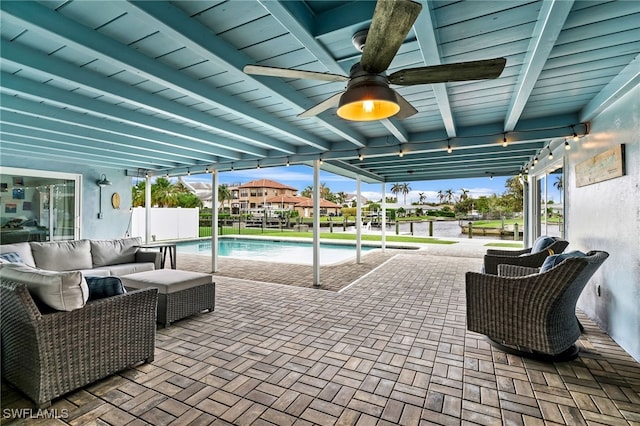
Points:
(551, 18)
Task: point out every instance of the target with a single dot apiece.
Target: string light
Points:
(400, 153)
(449, 150)
(231, 166)
(188, 172)
(550, 153)
(535, 160)
(575, 135)
(258, 165)
(320, 160)
(360, 156)
(206, 170)
(287, 163)
(566, 145)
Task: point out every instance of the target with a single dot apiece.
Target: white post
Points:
(147, 209)
(384, 217)
(316, 223)
(358, 221)
(214, 220)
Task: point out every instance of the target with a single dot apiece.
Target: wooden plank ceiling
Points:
(160, 87)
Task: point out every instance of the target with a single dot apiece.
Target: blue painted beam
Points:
(551, 18)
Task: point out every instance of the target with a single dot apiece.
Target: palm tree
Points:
(421, 197)
(341, 197)
(441, 196)
(465, 194)
(224, 194)
(396, 188)
(405, 189)
(449, 195)
(137, 194)
(163, 193)
(559, 185)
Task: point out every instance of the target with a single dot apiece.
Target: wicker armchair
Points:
(46, 355)
(529, 312)
(524, 257)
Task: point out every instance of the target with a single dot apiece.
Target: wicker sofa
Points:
(92, 257)
(47, 353)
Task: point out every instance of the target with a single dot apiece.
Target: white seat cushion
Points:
(166, 280)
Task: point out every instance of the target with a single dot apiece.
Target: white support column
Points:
(526, 213)
(358, 221)
(147, 209)
(316, 223)
(383, 228)
(214, 220)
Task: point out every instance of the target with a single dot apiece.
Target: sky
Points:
(301, 176)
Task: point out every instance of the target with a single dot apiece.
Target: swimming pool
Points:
(272, 251)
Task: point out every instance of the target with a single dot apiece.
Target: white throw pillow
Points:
(63, 291)
(23, 249)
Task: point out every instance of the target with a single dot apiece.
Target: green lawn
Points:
(509, 245)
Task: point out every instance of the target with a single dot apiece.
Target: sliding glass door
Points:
(37, 205)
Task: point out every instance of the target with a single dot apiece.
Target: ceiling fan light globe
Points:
(368, 103)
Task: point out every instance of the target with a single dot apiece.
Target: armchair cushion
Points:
(101, 287)
(542, 243)
(557, 259)
(62, 291)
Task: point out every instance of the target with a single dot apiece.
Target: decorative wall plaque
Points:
(604, 166)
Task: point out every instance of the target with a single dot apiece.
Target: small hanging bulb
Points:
(231, 166)
(206, 170)
(167, 175)
(566, 145)
(504, 141)
(188, 172)
(491, 177)
(449, 150)
(535, 160)
(360, 156)
(258, 165)
(400, 153)
(287, 163)
(320, 160)
(575, 135)
(146, 173)
(550, 154)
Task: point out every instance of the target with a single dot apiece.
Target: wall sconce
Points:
(102, 182)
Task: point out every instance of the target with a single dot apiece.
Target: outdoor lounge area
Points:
(98, 98)
(392, 348)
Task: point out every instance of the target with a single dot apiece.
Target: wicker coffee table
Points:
(180, 293)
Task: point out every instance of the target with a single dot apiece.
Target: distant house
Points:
(350, 199)
(257, 195)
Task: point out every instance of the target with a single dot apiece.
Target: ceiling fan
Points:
(368, 95)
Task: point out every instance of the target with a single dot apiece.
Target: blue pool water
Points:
(272, 251)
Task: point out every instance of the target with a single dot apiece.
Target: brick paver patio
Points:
(392, 348)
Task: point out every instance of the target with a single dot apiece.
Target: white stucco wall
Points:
(606, 216)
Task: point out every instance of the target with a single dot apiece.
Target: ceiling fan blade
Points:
(392, 20)
(322, 106)
(291, 73)
(406, 109)
(462, 71)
